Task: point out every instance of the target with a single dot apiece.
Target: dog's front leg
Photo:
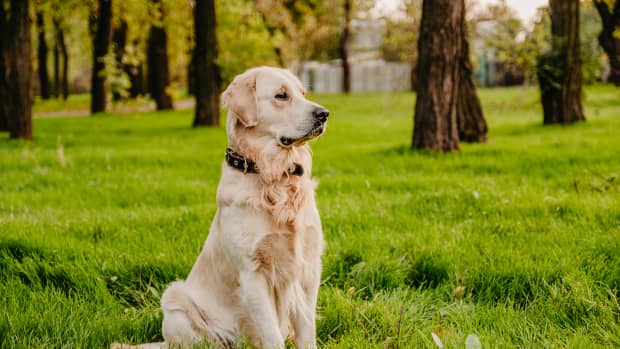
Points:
(305, 318)
(260, 307)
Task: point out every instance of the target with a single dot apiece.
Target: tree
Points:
(609, 38)
(400, 33)
(303, 29)
(559, 71)
(44, 81)
(157, 60)
(207, 77)
(56, 56)
(15, 69)
(471, 123)
(61, 80)
(100, 21)
(440, 46)
(344, 47)
(119, 40)
(134, 68)
(4, 87)
(497, 27)
(60, 11)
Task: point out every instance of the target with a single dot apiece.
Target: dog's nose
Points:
(320, 114)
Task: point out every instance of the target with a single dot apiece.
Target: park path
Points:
(182, 104)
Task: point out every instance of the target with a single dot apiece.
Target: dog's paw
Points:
(120, 346)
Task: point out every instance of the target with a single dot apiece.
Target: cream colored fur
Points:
(258, 275)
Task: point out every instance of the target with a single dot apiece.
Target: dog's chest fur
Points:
(292, 241)
(292, 246)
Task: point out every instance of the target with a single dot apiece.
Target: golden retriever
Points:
(258, 275)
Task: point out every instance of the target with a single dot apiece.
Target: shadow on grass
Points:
(348, 270)
(134, 286)
(35, 268)
(141, 285)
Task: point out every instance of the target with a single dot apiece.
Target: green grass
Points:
(516, 241)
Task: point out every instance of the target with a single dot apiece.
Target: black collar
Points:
(246, 165)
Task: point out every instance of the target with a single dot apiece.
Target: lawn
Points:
(516, 241)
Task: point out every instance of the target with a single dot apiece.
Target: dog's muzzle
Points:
(320, 115)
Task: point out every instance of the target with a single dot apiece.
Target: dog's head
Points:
(270, 105)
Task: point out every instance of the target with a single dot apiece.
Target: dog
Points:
(258, 275)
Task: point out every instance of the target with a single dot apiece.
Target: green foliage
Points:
(495, 32)
(304, 30)
(591, 52)
(515, 240)
(116, 78)
(401, 37)
(522, 55)
(243, 39)
(539, 42)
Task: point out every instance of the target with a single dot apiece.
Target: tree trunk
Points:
(101, 42)
(412, 76)
(440, 47)
(344, 48)
(471, 123)
(207, 79)
(157, 60)
(16, 69)
(559, 71)
(60, 35)
(607, 40)
(136, 75)
(4, 88)
(56, 59)
(119, 40)
(44, 82)
(191, 74)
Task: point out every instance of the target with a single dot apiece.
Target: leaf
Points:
(153, 291)
(472, 342)
(616, 33)
(437, 340)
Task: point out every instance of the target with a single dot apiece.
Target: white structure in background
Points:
(368, 71)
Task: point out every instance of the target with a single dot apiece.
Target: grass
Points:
(516, 241)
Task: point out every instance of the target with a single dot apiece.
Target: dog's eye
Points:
(283, 96)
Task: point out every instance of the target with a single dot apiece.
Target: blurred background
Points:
(143, 49)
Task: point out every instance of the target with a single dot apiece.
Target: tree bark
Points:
(157, 61)
(344, 48)
(16, 69)
(471, 123)
(101, 42)
(191, 74)
(44, 82)
(56, 59)
(119, 40)
(559, 71)
(607, 40)
(60, 37)
(440, 47)
(4, 88)
(207, 79)
(136, 76)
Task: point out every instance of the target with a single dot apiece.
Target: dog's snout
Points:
(320, 114)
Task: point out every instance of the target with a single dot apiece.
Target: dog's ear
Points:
(240, 98)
